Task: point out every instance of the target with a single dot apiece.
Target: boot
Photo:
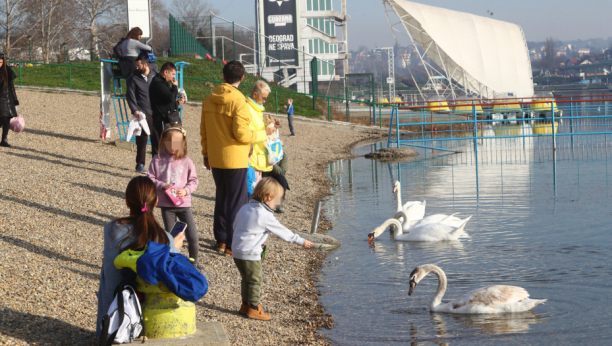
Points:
(220, 246)
(5, 144)
(244, 308)
(257, 314)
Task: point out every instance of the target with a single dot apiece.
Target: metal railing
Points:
(25, 66)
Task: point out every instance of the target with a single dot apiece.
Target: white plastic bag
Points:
(275, 149)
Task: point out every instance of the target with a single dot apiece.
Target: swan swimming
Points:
(429, 232)
(450, 220)
(417, 208)
(486, 300)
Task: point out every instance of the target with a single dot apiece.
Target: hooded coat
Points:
(225, 131)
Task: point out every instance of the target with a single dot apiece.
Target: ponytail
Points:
(141, 198)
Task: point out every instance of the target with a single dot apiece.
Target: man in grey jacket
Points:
(140, 105)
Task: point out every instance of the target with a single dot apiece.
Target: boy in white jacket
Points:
(252, 226)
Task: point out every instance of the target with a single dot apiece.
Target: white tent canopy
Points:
(483, 55)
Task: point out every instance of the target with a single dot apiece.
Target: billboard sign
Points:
(281, 31)
(139, 15)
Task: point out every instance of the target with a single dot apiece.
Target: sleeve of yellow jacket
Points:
(242, 130)
(203, 133)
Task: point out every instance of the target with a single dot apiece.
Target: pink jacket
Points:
(164, 169)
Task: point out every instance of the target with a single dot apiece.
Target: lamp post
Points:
(30, 46)
(65, 53)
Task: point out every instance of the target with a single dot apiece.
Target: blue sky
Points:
(561, 19)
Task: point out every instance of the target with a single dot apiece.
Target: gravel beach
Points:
(59, 185)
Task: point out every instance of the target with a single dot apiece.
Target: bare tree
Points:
(51, 19)
(100, 18)
(550, 54)
(194, 14)
(159, 24)
(12, 12)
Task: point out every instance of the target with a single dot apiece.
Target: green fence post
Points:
(328, 111)
(20, 84)
(276, 97)
(348, 112)
(70, 76)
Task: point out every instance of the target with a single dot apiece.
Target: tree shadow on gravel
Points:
(43, 330)
(63, 157)
(58, 162)
(44, 252)
(68, 214)
(113, 193)
(92, 276)
(60, 135)
(106, 216)
(203, 197)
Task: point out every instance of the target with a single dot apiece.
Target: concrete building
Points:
(319, 24)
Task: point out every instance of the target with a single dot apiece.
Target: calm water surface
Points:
(558, 248)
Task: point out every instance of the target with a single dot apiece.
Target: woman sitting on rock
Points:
(132, 232)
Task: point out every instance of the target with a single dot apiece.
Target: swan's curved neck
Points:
(437, 299)
(395, 222)
(403, 214)
(398, 197)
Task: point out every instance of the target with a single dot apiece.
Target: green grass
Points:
(203, 70)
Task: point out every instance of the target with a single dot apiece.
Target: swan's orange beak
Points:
(394, 189)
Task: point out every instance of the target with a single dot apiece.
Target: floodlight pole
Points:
(391, 79)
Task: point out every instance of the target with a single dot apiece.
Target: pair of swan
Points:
(486, 300)
(438, 227)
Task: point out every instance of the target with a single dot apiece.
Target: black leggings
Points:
(5, 123)
(169, 215)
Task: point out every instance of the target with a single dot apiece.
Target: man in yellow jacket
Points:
(226, 141)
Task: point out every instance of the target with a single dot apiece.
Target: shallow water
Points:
(557, 248)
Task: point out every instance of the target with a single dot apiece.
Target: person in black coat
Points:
(164, 98)
(8, 99)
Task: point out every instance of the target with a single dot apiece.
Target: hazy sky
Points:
(561, 19)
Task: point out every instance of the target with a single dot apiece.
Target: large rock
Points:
(392, 154)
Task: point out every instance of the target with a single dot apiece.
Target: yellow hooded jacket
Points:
(259, 158)
(225, 130)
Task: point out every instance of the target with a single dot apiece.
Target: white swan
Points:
(486, 300)
(429, 232)
(450, 220)
(416, 208)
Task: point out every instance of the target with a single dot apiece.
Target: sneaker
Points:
(257, 314)
(228, 252)
(140, 169)
(244, 308)
(5, 144)
(291, 135)
(220, 246)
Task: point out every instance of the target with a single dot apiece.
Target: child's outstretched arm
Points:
(283, 232)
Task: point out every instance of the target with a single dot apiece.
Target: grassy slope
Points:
(89, 79)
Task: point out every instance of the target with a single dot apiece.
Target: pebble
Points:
(59, 185)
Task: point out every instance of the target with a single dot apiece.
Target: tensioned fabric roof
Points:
(488, 55)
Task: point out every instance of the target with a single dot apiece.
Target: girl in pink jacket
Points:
(172, 169)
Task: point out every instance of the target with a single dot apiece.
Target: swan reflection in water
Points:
(495, 324)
